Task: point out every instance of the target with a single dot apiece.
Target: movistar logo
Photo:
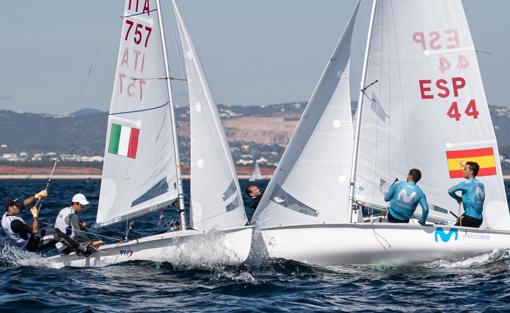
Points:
(403, 196)
(446, 236)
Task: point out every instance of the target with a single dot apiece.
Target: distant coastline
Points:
(186, 176)
(94, 177)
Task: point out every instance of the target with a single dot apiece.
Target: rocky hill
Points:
(84, 131)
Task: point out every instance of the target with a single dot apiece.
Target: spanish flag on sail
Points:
(483, 156)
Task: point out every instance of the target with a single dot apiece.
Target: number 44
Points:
(453, 111)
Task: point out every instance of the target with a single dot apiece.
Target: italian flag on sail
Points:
(123, 140)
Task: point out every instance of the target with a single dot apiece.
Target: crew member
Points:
(404, 198)
(30, 237)
(69, 222)
(473, 196)
(255, 195)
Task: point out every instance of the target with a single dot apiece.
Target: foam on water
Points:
(204, 251)
(480, 283)
(13, 256)
(474, 261)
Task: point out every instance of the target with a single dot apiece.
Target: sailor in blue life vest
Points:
(404, 198)
(69, 223)
(473, 196)
(30, 237)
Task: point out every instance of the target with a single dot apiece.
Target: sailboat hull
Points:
(378, 243)
(187, 248)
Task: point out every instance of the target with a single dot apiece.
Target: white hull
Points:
(189, 248)
(380, 243)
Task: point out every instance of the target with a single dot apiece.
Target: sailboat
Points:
(255, 174)
(141, 171)
(421, 105)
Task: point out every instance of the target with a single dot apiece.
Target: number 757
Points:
(138, 32)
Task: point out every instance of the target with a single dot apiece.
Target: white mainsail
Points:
(255, 175)
(311, 183)
(139, 171)
(428, 108)
(216, 200)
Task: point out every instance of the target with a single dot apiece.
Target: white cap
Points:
(80, 198)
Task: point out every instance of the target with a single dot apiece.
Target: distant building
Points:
(244, 162)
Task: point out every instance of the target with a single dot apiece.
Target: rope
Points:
(89, 233)
(379, 235)
(109, 249)
(39, 201)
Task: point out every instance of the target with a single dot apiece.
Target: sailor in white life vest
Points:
(30, 237)
(69, 223)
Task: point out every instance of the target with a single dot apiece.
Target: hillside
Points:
(256, 131)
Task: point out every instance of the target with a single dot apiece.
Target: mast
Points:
(180, 196)
(359, 113)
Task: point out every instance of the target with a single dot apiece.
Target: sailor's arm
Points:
(389, 194)
(35, 222)
(38, 196)
(79, 235)
(424, 208)
(453, 191)
(18, 227)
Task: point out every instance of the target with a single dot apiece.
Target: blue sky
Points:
(59, 56)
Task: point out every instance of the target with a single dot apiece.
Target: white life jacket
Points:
(62, 223)
(20, 239)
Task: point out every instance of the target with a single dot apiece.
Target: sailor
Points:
(473, 196)
(30, 237)
(69, 223)
(404, 198)
(255, 195)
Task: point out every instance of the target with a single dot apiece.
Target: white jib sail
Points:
(139, 165)
(311, 182)
(216, 200)
(255, 175)
(428, 108)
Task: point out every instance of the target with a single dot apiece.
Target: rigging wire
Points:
(177, 44)
(39, 201)
(88, 233)
(376, 234)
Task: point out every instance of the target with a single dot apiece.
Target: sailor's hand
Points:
(41, 194)
(83, 225)
(34, 211)
(97, 243)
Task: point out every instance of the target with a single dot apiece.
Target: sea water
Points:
(476, 284)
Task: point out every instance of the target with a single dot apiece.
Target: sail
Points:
(427, 108)
(255, 175)
(311, 182)
(139, 162)
(216, 200)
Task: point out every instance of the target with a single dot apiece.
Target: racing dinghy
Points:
(141, 171)
(426, 109)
